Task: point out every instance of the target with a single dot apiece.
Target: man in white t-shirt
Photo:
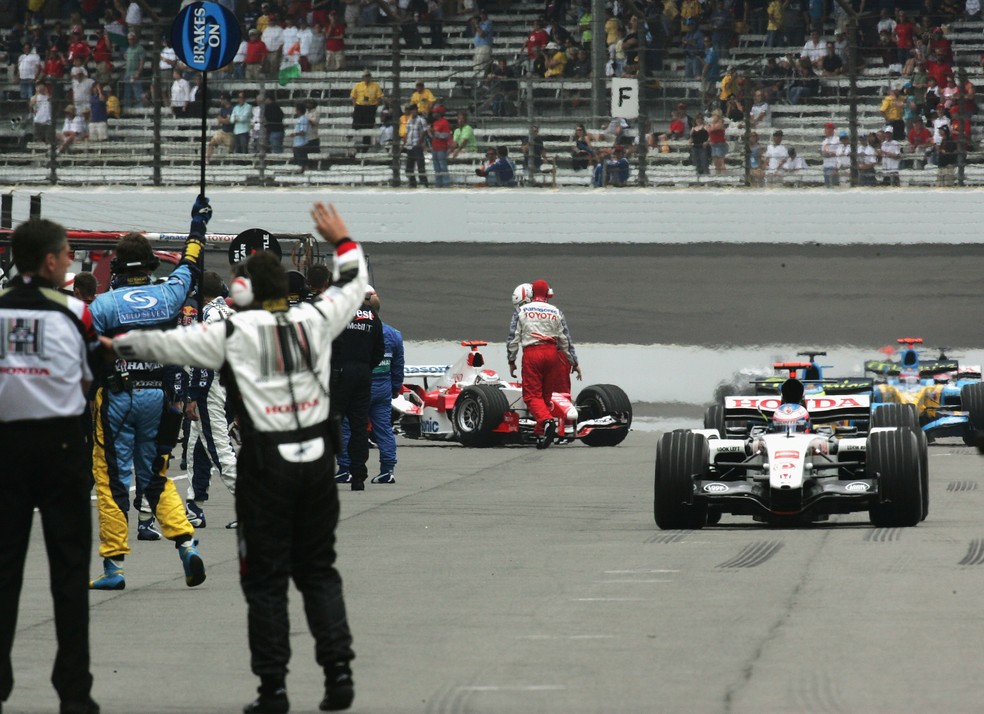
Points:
(304, 39)
(829, 149)
(777, 155)
(180, 95)
(760, 114)
(28, 71)
(81, 87)
(890, 153)
(814, 49)
(134, 17)
(273, 38)
(41, 109)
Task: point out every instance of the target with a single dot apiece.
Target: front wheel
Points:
(893, 458)
(600, 400)
(680, 457)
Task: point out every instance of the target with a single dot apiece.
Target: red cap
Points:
(540, 289)
(437, 109)
(829, 125)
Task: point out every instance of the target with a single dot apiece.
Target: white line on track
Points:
(513, 688)
(609, 599)
(565, 637)
(630, 580)
(632, 572)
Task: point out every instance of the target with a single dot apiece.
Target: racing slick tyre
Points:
(598, 400)
(714, 419)
(893, 459)
(922, 441)
(478, 410)
(679, 456)
(972, 401)
(895, 415)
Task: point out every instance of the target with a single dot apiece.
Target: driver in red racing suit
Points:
(548, 357)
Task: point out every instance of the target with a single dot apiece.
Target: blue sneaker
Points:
(147, 530)
(343, 477)
(111, 579)
(195, 513)
(194, 566)
(384, 477)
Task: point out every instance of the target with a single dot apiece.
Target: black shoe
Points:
(339, 690)
(549, 432)
(275, 703)
(86, 707)
(358, 485)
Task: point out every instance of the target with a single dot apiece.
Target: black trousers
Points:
(45, 468)
(415, 157)
(287, 516)
(351, 393)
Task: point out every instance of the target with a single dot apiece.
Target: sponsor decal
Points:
(28, 371)
(715, 487)
(784, 466)
(430, 426)
(728, 448)
(786, 454)
(290, 408)
(859, 486)
(811, 403)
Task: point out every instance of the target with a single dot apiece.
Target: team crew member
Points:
(387, 383)
(276, 364)
(45, 338)
(208, 442)
(357, 352)
(542, 332)
(135, 425)
(521, 296)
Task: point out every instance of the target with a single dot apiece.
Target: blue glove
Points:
(201, 211)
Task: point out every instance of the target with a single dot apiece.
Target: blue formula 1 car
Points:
(946, 399)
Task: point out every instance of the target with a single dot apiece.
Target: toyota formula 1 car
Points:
(947, 398)
(470, 404)
(793, 464)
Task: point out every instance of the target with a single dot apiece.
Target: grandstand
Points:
(165, 151)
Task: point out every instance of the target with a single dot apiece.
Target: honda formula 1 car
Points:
(947, 398)
(472, 405)
(794, 464)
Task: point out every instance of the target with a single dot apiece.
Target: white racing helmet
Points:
(522, 294)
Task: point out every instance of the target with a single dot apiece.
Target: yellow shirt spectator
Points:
(611, 30)
(367, 93)
(113, 106)
(774, 12)
(891, 108)
(423, 98)
(262, 22)
(556, 64)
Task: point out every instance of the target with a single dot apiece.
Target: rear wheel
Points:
(923, 444)
(714, 419)
(680, 456)
(895, 415)
(893, 459)
(478, 410)
(598, 400)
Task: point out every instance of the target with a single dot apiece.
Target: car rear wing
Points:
(822, 409)
(425, 372)
(926, 369)
(845, 385)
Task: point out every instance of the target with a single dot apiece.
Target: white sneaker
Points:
(385, 477)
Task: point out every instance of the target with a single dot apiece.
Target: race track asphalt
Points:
(516, 581)
(704, 294)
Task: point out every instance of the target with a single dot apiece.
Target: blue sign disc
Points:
(205, 36)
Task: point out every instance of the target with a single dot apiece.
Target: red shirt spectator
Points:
(103, 52)
(537, 38)
(335, 37)
(256, 51)
(940, 46)
(440, 131)
(903, 33)
(54, 64)
(939, 70)
(78, 47)
(919, 136)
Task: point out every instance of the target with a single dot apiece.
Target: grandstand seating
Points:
(557, 106)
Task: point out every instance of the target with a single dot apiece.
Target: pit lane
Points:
(511, 580)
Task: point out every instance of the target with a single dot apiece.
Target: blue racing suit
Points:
(127, 416)
(387, 381)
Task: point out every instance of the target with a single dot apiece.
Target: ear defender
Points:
(241, 291)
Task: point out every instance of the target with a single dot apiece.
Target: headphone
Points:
(241, 291)
(118, 267)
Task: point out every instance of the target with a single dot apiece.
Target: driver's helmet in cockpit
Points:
(791, 418)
